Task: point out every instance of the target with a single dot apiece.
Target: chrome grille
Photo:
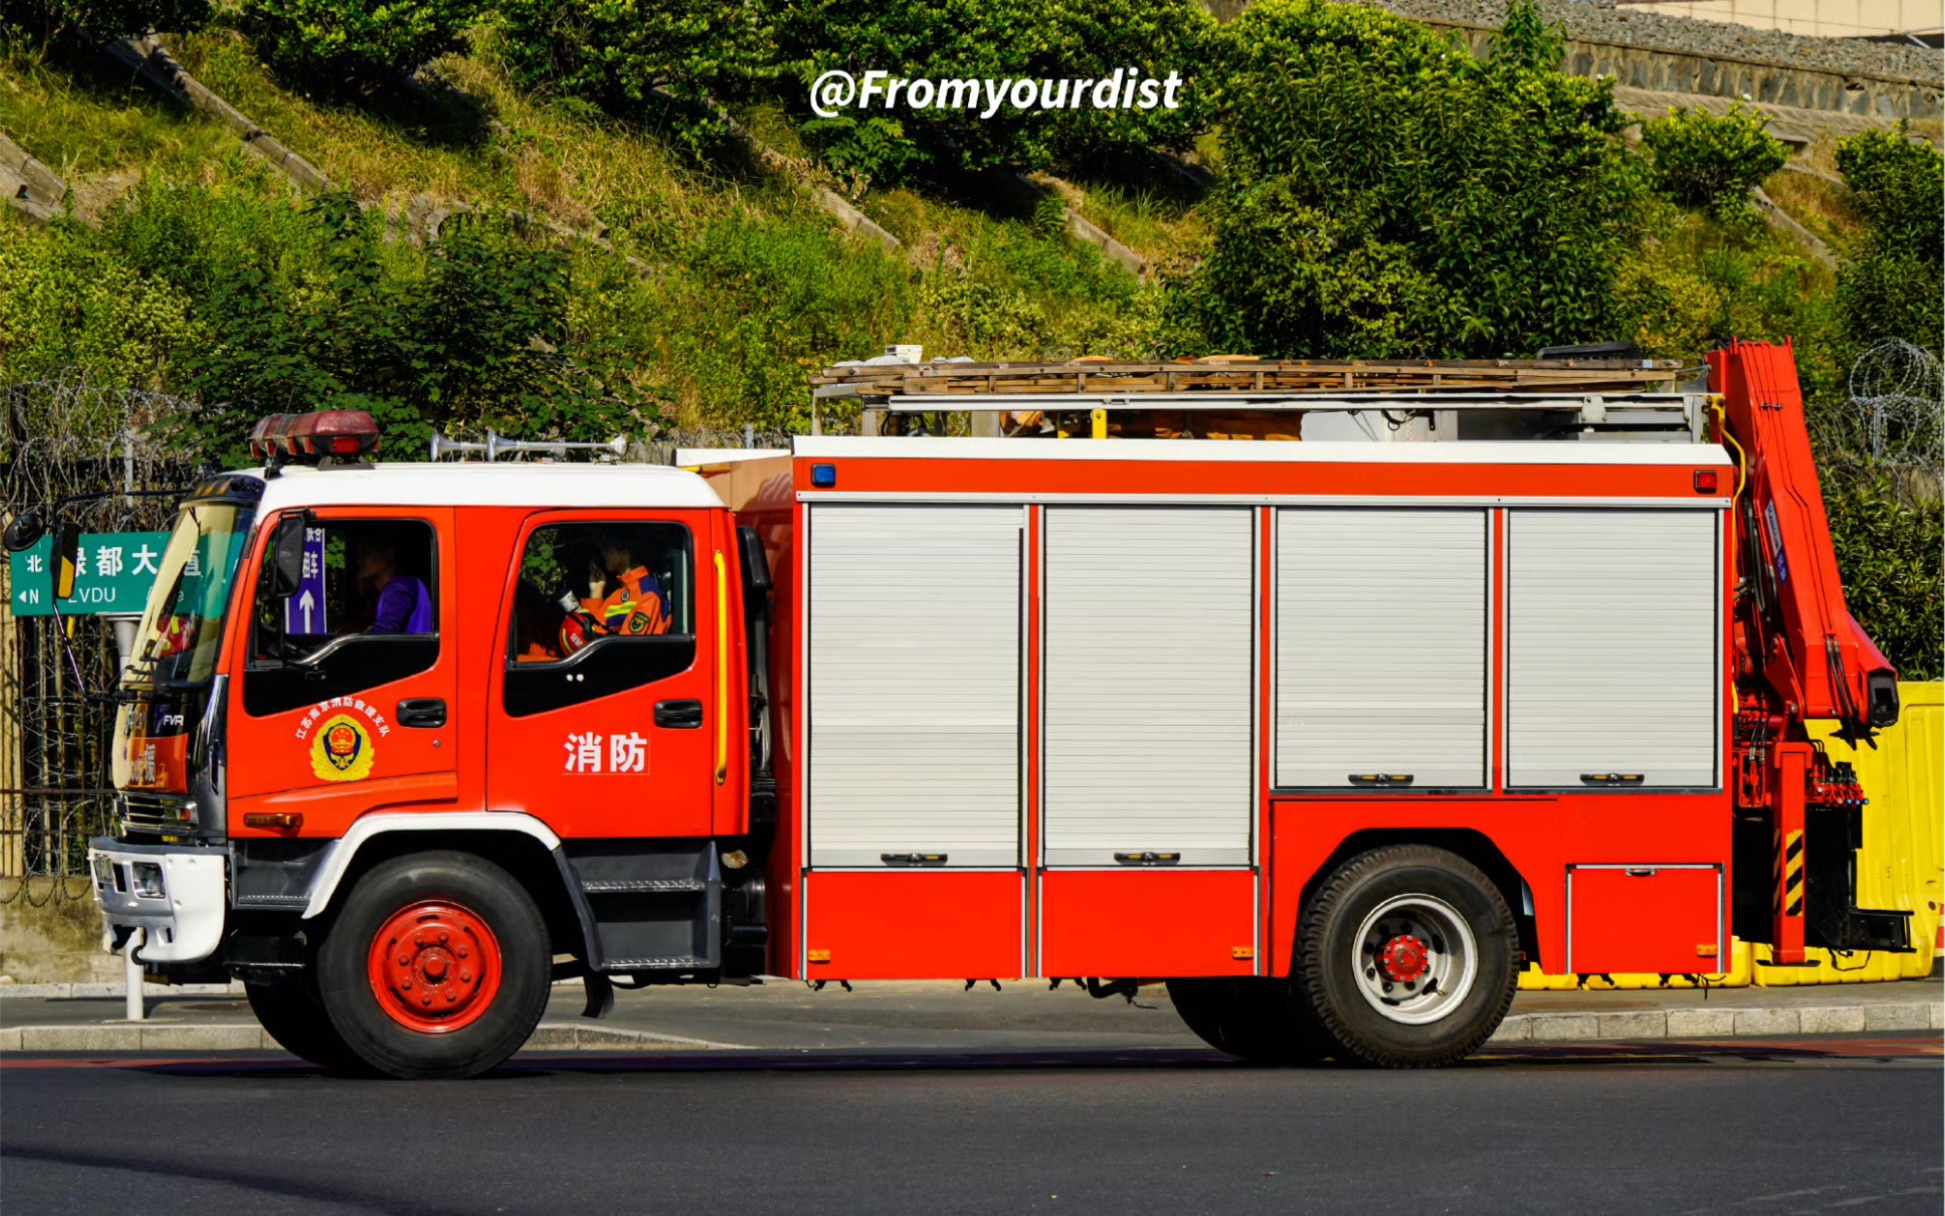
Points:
(156, 814)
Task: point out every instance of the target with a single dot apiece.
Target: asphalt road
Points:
(1825, 1125)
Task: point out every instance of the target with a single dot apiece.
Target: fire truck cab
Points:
(1335, 737)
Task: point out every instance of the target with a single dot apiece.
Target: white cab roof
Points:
(926, 447)
(478, 484)
(690, 458)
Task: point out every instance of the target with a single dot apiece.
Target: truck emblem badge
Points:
(342, 750)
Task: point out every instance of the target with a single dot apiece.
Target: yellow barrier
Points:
(1901, 866)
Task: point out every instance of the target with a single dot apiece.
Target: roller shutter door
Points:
(914, 683)
(1149, 656)
(1381, 647)
(1613, 665)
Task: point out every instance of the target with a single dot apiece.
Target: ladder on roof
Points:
(1508, 398)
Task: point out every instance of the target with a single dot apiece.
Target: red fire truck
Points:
(1333, 736)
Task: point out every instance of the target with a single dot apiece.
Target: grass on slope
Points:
(754, 285)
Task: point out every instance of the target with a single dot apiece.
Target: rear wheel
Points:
(1406, 958)
(1255, 1019)
(290, 1013)
(438, 966)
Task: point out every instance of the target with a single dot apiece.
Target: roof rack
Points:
(1553, 397)
(1098, 377)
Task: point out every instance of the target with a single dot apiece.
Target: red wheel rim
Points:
(435, 966)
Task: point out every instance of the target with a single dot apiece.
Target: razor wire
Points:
(65, 437)
(1892, 415)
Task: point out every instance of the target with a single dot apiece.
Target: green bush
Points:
(70, 306)
(1893, 283)
(1888, 548)
(303, 309)
(1700, 279)
(43, 19)
(1702, 160)
(679, 58)
(1387, 194)
(1040, 40)
(353, 45)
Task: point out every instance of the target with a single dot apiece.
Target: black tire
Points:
(290, 1013)
(485, 892)
(1252, 1019)
(1333, 987)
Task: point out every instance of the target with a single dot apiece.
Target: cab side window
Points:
(598, 608)
(366, 612)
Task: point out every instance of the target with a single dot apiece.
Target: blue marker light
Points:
(823, 476)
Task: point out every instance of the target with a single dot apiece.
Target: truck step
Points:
(628, 886)
(683, 962)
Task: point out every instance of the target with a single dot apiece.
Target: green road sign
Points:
(114, 573)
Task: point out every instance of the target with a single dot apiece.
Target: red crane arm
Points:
(1796, 635)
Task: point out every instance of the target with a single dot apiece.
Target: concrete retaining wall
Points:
(1797, 81)
(51, 934)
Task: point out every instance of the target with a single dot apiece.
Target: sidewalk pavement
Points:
(785, 1015)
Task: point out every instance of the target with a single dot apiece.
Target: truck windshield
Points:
(182, 628)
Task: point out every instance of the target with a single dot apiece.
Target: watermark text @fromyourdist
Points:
(1125, 89)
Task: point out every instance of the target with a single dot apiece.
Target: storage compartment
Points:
(915, 698)
(1614, 627)
(1151, 923)
(1380, 648)
(914, 925)
(1645, 918)
(1149, 674)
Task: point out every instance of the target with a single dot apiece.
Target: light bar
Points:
(283, 437)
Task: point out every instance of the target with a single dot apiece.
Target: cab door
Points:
(602, 722)
(341, 705)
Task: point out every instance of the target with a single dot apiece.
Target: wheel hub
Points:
(434, 966)
(1405, 959)
(1415, 959)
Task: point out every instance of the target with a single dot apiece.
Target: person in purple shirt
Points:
(404, 605)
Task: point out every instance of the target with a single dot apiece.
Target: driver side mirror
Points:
(67, 547)
(26, 531)
(287, 558)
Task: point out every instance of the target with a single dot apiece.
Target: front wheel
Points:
(438, 966)
(289, 1011)
(1407, 958)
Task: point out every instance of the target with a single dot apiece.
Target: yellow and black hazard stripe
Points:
(1792, 862)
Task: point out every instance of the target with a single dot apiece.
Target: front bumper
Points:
(177, 894)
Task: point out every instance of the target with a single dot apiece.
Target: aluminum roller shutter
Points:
(1380, 647)
(915, 683)
(1150, 644)
(1613, 631)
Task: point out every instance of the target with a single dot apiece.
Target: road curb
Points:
(232, 1036)
(1722, 1023)
(96, 990)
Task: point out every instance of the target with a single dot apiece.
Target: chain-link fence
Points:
(66, 438)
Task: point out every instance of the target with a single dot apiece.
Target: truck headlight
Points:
(104, 871)
(148, 880)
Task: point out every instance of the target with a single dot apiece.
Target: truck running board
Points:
(651, 905)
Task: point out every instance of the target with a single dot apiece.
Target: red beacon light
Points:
(324, 436)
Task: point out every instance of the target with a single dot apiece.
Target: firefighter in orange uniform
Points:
(636, 606)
